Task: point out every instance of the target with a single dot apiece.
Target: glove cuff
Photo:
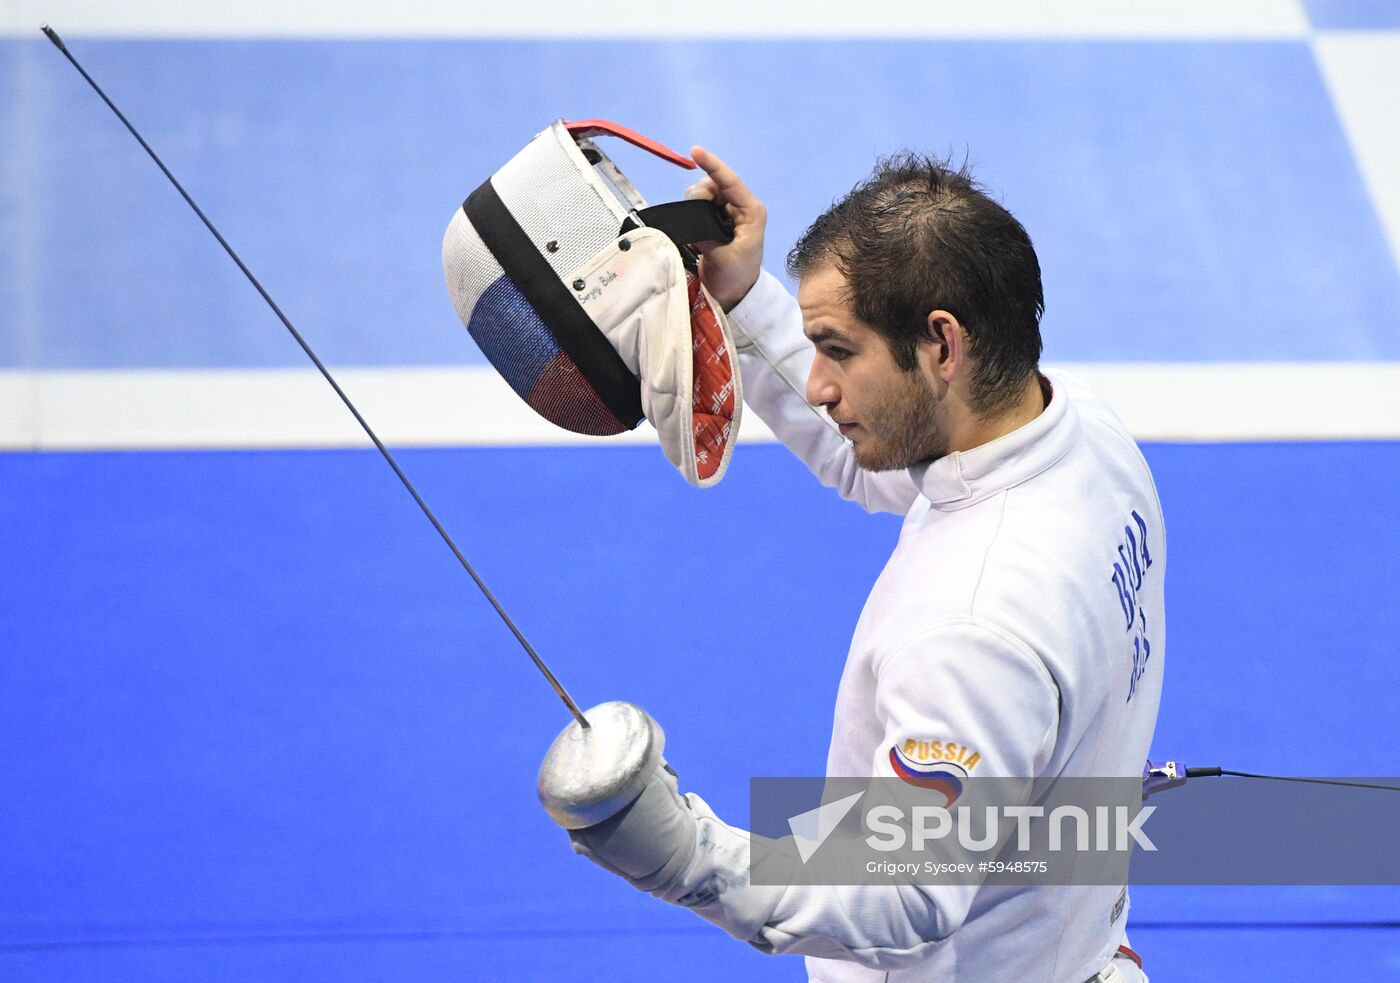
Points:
(716, 883)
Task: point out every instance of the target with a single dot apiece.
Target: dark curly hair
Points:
(919, 235)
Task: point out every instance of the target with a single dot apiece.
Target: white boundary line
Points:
(472, 406)
(1244, 19)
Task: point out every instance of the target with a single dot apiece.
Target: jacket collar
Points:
(965, 478)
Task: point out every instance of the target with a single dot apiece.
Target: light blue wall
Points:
(1190, 201)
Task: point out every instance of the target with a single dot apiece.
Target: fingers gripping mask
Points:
(587, 301)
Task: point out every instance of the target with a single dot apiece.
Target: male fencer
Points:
(1017, 630)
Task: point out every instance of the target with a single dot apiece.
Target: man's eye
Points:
(836, 354)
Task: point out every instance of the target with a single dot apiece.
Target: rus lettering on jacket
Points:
(1129, 571)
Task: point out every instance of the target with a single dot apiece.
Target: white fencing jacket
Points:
(1017, 631)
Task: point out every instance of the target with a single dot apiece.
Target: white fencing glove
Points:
(610, 787)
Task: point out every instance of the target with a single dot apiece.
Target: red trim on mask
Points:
(602, 127)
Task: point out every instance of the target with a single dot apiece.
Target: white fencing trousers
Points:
(1120, 970)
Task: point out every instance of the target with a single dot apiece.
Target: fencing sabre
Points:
(476, 578)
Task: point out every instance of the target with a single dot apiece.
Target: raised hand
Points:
(729, 270)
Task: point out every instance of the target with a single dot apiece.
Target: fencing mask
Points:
(587, 301)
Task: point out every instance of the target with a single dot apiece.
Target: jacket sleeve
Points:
(775, 358)
(975, 691)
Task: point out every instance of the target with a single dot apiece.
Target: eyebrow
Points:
(819, 335)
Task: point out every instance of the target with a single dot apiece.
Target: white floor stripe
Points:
(1204, 402)
(473, 407)
(633, 18)
(18, 428)
(1363, 74)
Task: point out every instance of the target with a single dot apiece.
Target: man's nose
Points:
(821, 388)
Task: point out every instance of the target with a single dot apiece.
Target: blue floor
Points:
(670, 952)
(257, 724)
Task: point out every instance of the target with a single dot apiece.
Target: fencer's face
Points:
(892, 418)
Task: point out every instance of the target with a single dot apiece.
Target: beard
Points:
(903, 427)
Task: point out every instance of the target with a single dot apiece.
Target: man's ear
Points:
(947, 345)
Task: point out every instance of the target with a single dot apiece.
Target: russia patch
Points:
(938, 776)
